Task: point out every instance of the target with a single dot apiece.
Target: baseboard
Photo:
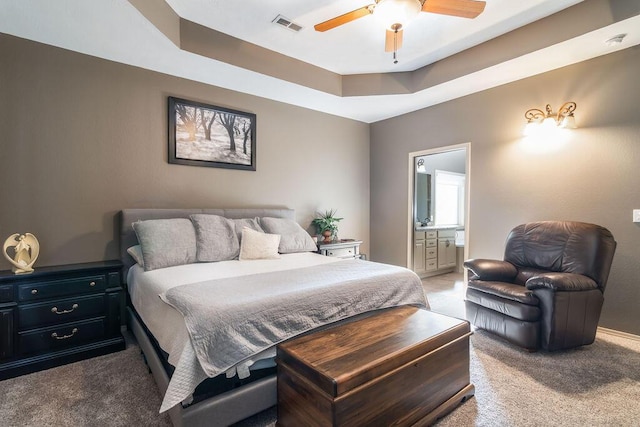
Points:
(618, 333)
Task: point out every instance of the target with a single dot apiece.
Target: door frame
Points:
(411, 193)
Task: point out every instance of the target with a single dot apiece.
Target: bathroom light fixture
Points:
(538, 119)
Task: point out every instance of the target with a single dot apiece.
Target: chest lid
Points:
(343, 357)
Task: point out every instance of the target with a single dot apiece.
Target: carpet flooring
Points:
(595, 385)
(111, 390)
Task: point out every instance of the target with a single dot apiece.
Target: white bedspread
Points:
(168, 325)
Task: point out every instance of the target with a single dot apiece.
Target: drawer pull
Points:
(64, 337)
(92, 283)
(34, 291)
(55, 309)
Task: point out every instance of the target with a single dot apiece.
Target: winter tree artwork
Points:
(206, 135)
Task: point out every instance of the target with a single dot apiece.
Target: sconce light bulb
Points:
(569, 122)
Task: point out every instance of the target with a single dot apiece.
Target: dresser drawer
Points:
(431, 243)
(432, 252)
(58, 288)
(57, 337)
(60, 311)
(6, 293)
(418, 235)
(432, 265)
(342, 252)
(432, 234)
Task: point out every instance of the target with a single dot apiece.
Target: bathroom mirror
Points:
(423, 203)
(427, 192)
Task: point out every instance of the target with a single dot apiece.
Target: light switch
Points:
(636, 215)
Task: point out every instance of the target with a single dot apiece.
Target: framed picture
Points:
(206, 135)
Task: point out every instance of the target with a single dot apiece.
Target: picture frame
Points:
(211, 136)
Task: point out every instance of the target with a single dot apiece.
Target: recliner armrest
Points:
(561, 282)
(491, 270)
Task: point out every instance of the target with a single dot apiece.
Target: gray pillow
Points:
(216, 238)
(293, 237)
(250, 223)
(166, 242)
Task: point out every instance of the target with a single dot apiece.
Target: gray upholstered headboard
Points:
(128, 216)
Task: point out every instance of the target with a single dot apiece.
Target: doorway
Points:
(438, 223)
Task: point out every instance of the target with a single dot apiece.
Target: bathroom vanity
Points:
(434, 250)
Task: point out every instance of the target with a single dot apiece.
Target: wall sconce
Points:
(538, 120)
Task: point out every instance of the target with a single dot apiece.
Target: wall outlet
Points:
(636, 215)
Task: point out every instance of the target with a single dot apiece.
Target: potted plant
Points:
(327, 224)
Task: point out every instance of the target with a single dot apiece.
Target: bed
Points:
(205, 384)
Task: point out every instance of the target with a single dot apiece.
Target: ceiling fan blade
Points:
(393, 41)
(343, 19)
(460, 8)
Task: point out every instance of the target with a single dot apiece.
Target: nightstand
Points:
(57, 315)
(345, 248)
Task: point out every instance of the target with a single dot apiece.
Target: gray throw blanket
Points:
(230, 320)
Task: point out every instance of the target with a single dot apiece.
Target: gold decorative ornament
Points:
(26, 249)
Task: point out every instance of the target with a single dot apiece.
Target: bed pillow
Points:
(251, 223)
(257, 245)
(216, 238)
(136, 254)
(294, 238)
(166, 242)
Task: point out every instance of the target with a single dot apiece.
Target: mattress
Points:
(167, 324)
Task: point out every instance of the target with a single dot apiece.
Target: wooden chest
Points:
(403, 366)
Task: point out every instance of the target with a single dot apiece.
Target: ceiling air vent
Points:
(286, 23)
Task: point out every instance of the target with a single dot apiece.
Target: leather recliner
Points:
(548, 291)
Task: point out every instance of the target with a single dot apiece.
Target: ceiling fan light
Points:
(391, 12)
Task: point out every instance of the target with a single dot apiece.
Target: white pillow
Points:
(136, 254)
(257, 245)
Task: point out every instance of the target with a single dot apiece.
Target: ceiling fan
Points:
(396, 14)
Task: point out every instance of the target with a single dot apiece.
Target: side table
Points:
(344, 248)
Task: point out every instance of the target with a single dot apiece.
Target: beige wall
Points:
(83, 138)
(593, 177)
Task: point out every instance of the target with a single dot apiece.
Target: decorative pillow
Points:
(257, 245)
(166, 242)
(294, 238)
(216, 238)
(136, 254)
(251, 223)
